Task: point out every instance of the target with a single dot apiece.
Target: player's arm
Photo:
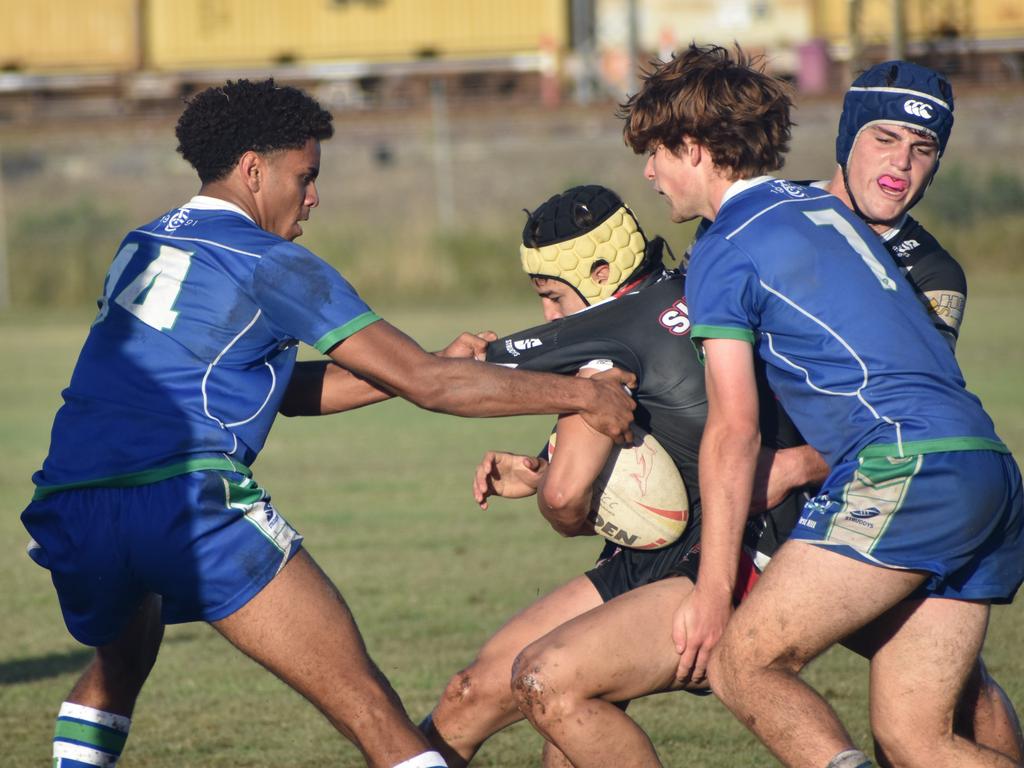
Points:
(565, 490)
(940, 283)
(781, 471)
(728, 458)
(392, 361)
(320, 387)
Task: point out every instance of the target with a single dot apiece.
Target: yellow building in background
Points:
(126, 38)
(983, 25)
(168, 35)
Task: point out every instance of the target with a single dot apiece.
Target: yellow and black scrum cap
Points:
(566, 237)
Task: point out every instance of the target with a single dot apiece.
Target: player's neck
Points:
(225, 190)
(718, 185)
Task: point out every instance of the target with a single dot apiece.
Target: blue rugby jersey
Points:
(195, 341)
(849, 350)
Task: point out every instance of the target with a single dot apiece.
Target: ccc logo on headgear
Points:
(918, 108)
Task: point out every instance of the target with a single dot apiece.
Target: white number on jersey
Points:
(151, 295)
(831, 218)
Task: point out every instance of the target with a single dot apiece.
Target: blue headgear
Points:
(897, 92)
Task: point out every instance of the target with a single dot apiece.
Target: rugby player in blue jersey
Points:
(923, 500)
(146, 512)
(886, 157)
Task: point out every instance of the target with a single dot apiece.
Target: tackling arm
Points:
(392, 361)
(322, 387)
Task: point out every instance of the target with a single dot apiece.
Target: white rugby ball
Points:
(639, 500)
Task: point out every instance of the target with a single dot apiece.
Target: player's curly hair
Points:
(729, 105)
(221, 123)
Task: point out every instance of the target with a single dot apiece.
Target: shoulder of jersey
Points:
(761, 198)
(215, 228)
(913, 230)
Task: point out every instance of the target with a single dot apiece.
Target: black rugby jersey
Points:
(646, 331)
(936, 276)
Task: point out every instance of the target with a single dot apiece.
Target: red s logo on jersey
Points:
(676, 319)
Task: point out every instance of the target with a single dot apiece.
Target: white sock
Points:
(88, 737)
(424, 760)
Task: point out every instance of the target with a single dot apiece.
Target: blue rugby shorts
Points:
(206, 542)
(956, 515)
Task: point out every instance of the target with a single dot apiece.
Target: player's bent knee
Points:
(733, 662)
(534, 691)
(467, 688)
(903, 735)
(728, 664)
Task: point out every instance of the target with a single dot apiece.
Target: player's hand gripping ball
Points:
(639, 500)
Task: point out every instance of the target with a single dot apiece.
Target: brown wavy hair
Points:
(728, 105)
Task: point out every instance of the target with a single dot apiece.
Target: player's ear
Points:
(251, 168)
(599, 274)
(693, 152)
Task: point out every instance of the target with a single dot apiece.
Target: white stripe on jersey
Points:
(859, 392)
(760, 213)
(196, 240)
(211, 366)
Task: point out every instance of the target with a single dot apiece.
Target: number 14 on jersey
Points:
(151, 295)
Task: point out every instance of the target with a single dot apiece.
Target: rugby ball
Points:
(639, 500)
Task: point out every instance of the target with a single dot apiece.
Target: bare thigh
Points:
(807, 600)
(618, 651)
(477, 700)
(565, 603)
(918, 672)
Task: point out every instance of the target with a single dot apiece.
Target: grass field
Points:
(382, 496)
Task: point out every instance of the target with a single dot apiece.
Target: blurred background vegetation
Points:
(452, 116)
(72, 191)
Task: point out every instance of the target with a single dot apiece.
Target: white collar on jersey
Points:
(207, 203)
(742, 186)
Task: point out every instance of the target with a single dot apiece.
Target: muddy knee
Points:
(462, 689)
(535, 689)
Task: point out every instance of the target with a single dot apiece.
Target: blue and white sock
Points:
(424, 760)
(87, 737)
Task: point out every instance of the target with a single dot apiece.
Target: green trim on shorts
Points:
(879, 486)
(938, 445)
(253, 502)
(147, 476)
(331, 338)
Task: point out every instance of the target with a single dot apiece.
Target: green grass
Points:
(382, 496)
